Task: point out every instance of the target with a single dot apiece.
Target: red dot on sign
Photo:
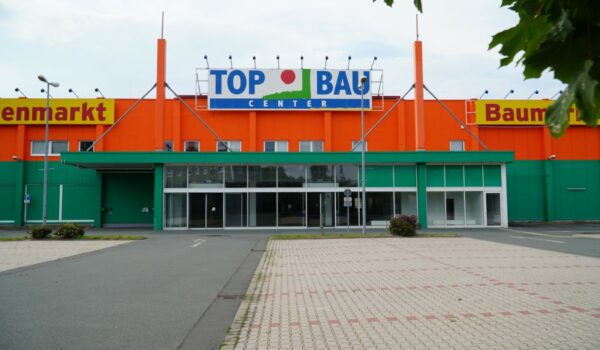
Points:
(288, 76)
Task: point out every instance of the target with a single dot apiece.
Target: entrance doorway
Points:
(206, 210)
(492, 204)
(320, 209)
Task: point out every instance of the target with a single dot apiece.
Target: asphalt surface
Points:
(176, 290)
(578, 239)
(171, 291)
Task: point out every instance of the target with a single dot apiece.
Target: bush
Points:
(403, 225)
(69, 231)
(39, 232)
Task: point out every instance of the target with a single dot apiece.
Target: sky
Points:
(111, 44)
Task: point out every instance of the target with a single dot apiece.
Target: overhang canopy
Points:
(140, 161)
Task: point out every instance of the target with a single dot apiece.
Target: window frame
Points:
(229, 146)
(84, 150)
(276, 144)
(186, 142)
(358, 149)
(311, 144)
(455, 142)
(50, 145)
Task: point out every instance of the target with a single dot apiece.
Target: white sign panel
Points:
(303, 89)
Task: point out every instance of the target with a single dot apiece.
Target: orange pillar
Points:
(252, 132)
(327, 141)
(159, 112)
(419, 104)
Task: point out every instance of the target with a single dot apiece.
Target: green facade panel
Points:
(378, 176)
(34, 208)
(525, 191)
(127, 199)
(80, 203)
(7, 203)
(435, 176)
(576, 190)
(454, 176)
(473, 176)
(405, 176)
(492, 176)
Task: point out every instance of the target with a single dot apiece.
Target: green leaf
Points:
(418, 4)
(581, 91)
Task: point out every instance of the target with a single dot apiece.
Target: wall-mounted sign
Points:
(63, 111)
(287, 89)
(516, 112)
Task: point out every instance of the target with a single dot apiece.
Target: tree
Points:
(562, 36)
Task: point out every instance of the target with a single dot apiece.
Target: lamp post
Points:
(363, 201)
(45, 187)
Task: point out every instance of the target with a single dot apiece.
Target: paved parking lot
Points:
(24, 253)
(421, 293)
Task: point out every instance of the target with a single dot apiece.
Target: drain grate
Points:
(230, 296)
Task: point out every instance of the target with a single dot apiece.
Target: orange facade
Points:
(337, 130)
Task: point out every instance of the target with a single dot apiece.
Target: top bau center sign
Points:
(301, 89)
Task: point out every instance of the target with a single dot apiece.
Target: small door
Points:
(492, 204)
(206, 210)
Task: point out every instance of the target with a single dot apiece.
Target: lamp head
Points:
(42, 78)
(55, 84)
(96, 89)
(363, 79)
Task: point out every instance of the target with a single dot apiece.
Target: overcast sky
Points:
(111, 44)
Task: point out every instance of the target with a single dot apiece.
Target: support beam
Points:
(422, 194)
(158, 197)
(419, 100)
(19, 192)
(159, 112)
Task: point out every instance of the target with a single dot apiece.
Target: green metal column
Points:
(98, 202)
(422, 194)
(158, 196)
(19, 192)
(549, 187)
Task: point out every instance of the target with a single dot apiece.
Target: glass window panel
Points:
(191, 146)
(317, 146)
(455, 208)
(305, 146)
(281, 146)
(379, 207)
(320, 176)
(454, 176)
(457, 145)
(197, 202)
(347, 175)
(406, 203)
(236, 176)
(347, 214)
(269, 146)
(435, 209)
(175, 176)
(84, 145)
(356, 146)
(37, 148)
(262, 209)
(291, 176)
(262, 176)
(235, 209)
(57, 147)
(175, 210)
(474, 208)
(291, 209)
(205, 176)
(234, 146)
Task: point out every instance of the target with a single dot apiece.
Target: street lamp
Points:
(45, 190)
(363, 201)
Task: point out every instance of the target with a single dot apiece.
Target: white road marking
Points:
(535, 233)
(197, 242)
(538, 239)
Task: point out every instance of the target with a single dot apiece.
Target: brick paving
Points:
(421, 293)
(24, 253)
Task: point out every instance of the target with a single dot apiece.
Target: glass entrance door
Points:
(206, 210)
(492, 205)
(320, 209)
(235, 210)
